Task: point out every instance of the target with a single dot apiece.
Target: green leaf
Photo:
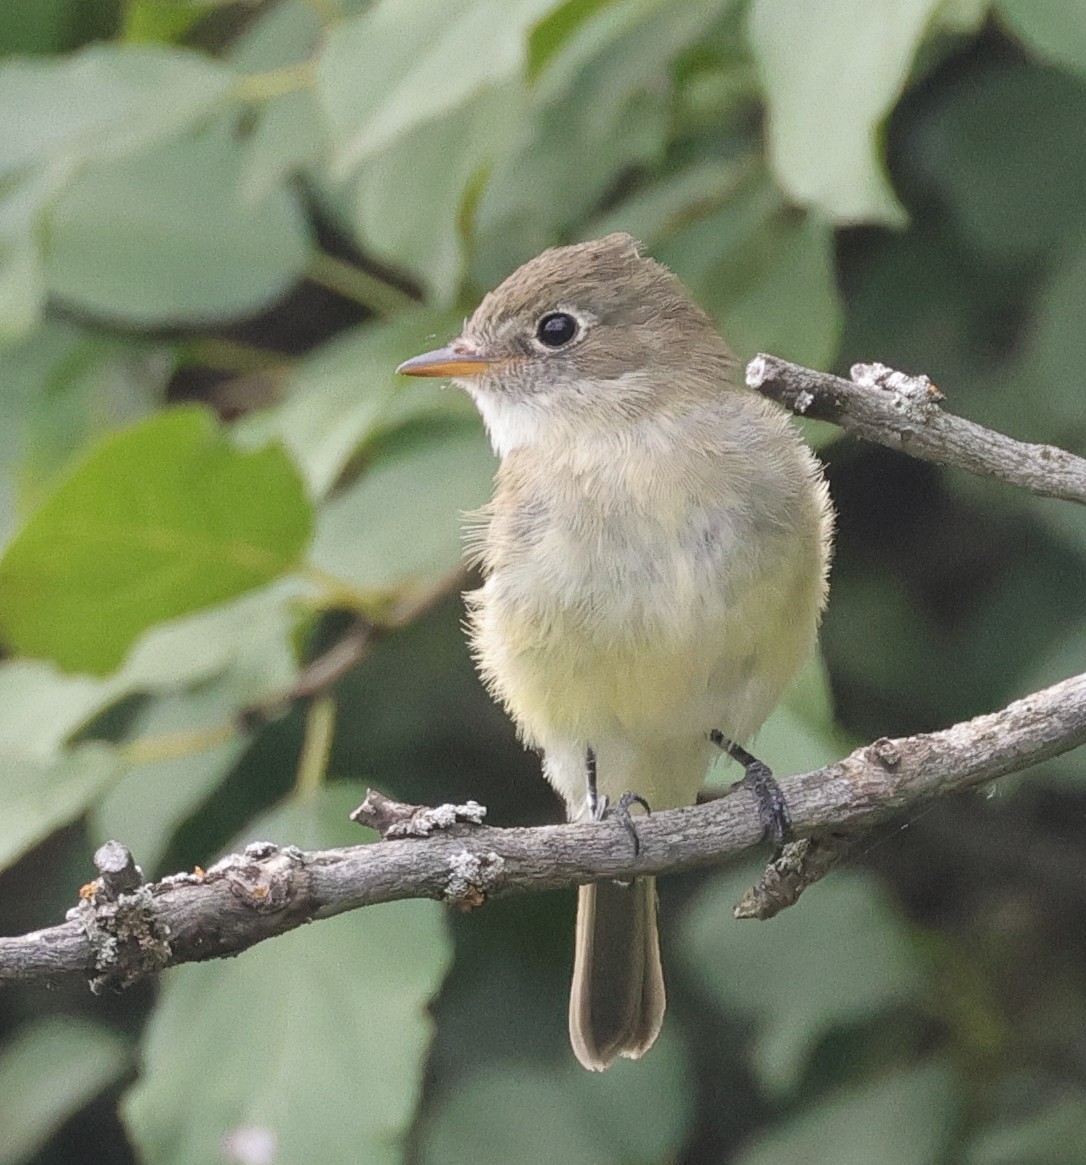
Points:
(962, 17)
(1048, 355)
(102, 102)
(291, 131)
(409, 196)
(400, 523)
(31, 27)
(787, 976)
(150, 801)
(1054, 28)
(227, 658)
(602, 107)
(405, 62)
(1005, 151)
(163, 20)
(204, 645)
(34, 183)
(348, 390)
(318, 1038)
(832, 70)
(720, 255)
(1063, 658)
(22, 271)
(49, 1071)
(281, 34)
(64, 387)
(1053, 1136)
(793, 310)
(290, 137)
(39, 796)
(159, 520)
(908, 1118)
(165, 236)
(634, 1112)
(41, 707)
(764, 272)
(22, 286)
(657, 211)
(249, 645)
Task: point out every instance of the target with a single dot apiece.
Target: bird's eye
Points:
(556, 329)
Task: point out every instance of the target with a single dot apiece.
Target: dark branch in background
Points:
(348, 651)
(123, 931)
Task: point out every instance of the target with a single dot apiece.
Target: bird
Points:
(655, 563)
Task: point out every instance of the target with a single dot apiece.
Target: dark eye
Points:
(556, 329)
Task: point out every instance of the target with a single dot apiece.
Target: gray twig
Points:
(266, 891)
(903, 412)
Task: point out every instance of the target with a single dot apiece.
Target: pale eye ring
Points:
(556, 329)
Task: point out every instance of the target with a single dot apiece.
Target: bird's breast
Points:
(653, 593)
(621, 557)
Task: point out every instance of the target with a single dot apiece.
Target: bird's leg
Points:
(599, 808)
(759, 780)
(596, 809)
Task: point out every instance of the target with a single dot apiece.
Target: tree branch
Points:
(902, 412)
(123, 931)
(116, 936)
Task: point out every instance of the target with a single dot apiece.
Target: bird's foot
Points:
(759, 780)
(600, 808)
(603, 810)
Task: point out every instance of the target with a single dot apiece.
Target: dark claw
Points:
(627, 799)
(759, 780)
(621, 813)
(772, 807)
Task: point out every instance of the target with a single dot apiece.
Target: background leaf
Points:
(388, 529)
(899, 1120)
(248, 658)
(832, 69)
(348, 392)
(1054, 29)
(1051, 1137)
(41, 796)
(747, 966)
(423, 62)
(47, 1073)
(165, 236)
(103, 102)
(200, 521)
(289, 1022)
(530, 1113)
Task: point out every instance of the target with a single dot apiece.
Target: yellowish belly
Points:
(564, 674)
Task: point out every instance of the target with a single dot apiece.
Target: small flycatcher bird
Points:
(655, 556)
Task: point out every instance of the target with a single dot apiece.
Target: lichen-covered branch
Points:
(121, 932)
(904, 412)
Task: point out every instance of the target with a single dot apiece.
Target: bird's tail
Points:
(617, 1002)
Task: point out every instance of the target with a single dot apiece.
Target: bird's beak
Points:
(453, 360)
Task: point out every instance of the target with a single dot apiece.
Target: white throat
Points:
(510, 424)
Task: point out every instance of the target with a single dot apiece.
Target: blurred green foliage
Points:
(263, 207)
